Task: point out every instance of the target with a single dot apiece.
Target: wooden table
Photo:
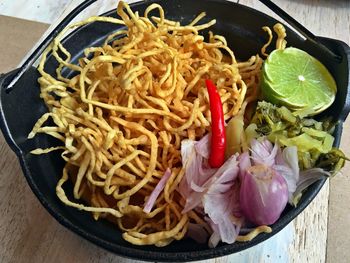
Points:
(29, 234)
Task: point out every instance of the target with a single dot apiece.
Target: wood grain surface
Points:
(29, 234)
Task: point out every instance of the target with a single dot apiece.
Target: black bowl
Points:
(241, 26)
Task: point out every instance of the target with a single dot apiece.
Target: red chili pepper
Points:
(218, 133)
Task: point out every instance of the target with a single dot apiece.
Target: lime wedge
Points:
(293, 78)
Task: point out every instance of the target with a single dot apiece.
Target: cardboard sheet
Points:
(17, 37)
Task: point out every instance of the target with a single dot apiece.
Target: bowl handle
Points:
(4, 78)
(41, 46)
(300, 28)
(341, 48)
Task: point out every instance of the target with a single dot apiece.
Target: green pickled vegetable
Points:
(332, 161)
(313, 138)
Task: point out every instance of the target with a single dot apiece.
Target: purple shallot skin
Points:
(263, 195)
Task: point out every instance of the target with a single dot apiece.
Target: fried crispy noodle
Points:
(254, 233)
(122, 117)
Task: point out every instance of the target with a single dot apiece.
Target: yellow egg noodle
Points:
(122, 118)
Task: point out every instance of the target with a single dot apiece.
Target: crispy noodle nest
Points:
(122, 118)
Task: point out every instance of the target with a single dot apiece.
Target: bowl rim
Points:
(135, 253)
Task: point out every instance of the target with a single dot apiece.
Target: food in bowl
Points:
(163, 133)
